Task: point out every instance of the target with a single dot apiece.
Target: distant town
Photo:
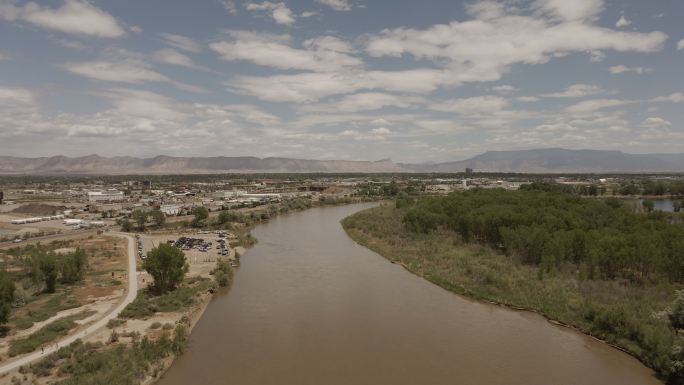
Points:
(40, 206)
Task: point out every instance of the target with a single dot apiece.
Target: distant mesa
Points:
(548, 160)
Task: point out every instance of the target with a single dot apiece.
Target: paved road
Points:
(130, 296)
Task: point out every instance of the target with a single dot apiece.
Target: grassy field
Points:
(146, 304)
(106, 259)
(46, 334)
(618, 312)
(87, 363)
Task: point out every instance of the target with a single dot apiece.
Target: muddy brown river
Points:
(310, 306)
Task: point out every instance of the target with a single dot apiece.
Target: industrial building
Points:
(105, 196)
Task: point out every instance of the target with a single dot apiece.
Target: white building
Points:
(105, 196)
(170, 209)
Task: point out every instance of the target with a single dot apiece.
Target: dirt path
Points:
(102, 322)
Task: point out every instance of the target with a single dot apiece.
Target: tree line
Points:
(542, 225)
(45, 268)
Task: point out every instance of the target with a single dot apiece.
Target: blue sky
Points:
(414, 81)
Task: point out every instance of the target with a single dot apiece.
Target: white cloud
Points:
(365, 102)
(576, 91)
(484, 49)
(655, 122)
(124, 71)
(144, 104)
(115, 72)
(305, 87)
(228, 5)
(680, 45)
(181, 42)
(676, 97)
(477, 50)
(621, 69)
(310, 87)
(4, 56)
(622, 22)
(306, 14)
(474, 105)
(74, 16)
(322, 54)
(337, 5)
(379, 133)
(589, 106)
(504, 89)
(576, 10)
(280, 13)
(11, 96)
(72, 44)
(592, 105)
(171, 56)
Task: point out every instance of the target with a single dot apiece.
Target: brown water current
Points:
(310, 306)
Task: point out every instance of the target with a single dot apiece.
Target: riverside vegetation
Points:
(129, 358)
(593, 264)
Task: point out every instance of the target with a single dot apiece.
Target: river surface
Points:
(311, 307)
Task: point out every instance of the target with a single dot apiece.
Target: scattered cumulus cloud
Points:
(74, 17)
(622, 22)
(576, 91)
(337, 5)
(228, 5)
(413, 92)
(279, 12)
(621, 69)
(322, 54)
(11, 96)
(504, 89)
(124, 71)
(655, 122)
(306, 14)
(181, 42)
(474, 105)
(171, 56)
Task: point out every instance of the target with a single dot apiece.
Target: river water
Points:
(311, 307)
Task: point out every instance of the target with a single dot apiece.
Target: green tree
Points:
(48, 270)
(140, 218)
(126, 225)
(6, 296)
(73, 266)
(201, 214)
(158, 217)
(223, 273)
(227, 216)
(167, 265)
(648, 205)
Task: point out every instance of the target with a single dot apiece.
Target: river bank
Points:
(178, 313)
(311, 306)
(613, 312)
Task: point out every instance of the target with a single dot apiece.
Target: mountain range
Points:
(549, 160)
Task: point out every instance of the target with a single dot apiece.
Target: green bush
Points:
(86, 363)
(146, 303)
(46, 334)
(551, 279)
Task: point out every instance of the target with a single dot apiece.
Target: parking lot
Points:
(201, 250)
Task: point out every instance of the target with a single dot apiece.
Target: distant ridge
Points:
(547, 160)
(97, 165)
(559, 160)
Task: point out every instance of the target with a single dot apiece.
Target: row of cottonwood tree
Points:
(545, 227)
